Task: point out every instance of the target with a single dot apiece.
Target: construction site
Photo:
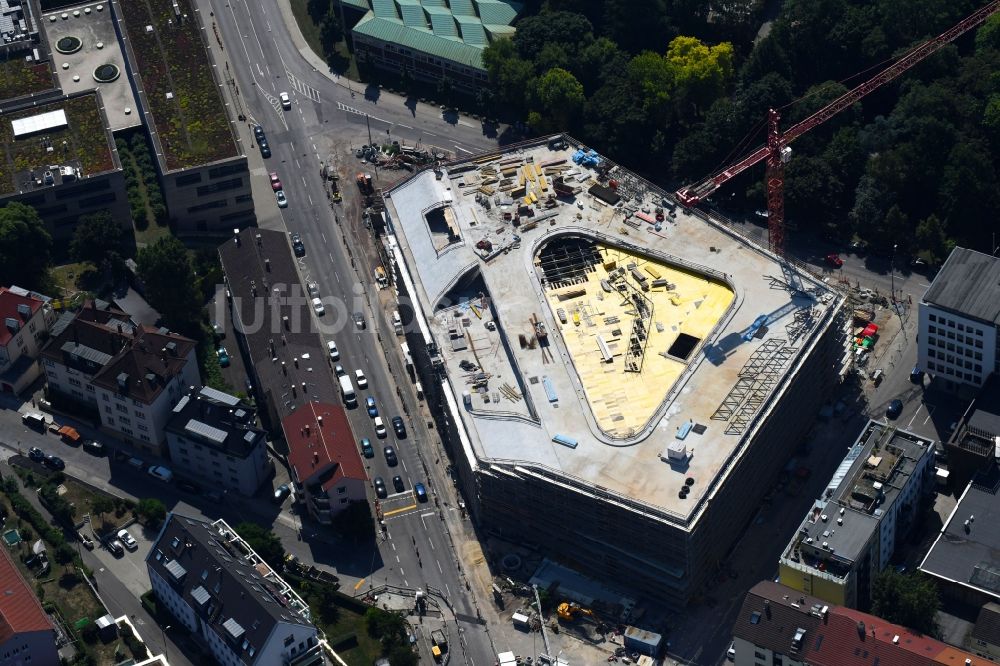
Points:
(619, 379)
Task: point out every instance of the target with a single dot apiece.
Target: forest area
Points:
(677, 89)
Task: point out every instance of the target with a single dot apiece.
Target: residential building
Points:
(965, 557)
(779, 626)
(221, 591)
(133, 375)
(62, 161)
(984, 639)
(274, 326)
(213, 436)
(959, 319)
(200, 157)
(867, 509)
(972, 446)
(325, 461)
(27, 636)
(429, 40)
(27, 317)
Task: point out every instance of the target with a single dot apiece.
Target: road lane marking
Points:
(446, 588)
(392, 544)
(462, 149)
(309, 196)
(395, 511)
(431, 543)
(405, 126)
(440, 570)
(397, 561)
(359, 584)
(323, 236)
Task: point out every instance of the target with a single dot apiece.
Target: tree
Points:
(561, 95)
(25, 246)
(330, 32)
(171, 285)
(151, 511)
(907, 599)
(932, 240)
(101, 506)
(96, 237)
(572, 31)
(701, 73)
(988, 34)
(264, 543)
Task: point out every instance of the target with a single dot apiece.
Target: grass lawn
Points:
(367, 650)
(310, 31)
(67, 276)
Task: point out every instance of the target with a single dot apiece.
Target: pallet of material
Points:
(509, 161)
(543, 183)
(551, 163)
(487, 190)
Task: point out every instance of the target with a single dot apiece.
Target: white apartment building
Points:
(213, 436)
(27, 317)
(214, 584)
(132, 375)
(959, 319)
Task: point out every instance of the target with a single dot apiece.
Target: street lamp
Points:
(892, 275)
(163, 634)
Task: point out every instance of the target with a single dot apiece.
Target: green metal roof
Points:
(455, 30)
(358, 4)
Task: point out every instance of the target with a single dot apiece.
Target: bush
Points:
(89, 633)
(151, 511)
(64, 553)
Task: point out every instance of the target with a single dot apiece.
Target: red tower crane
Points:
(777, 153)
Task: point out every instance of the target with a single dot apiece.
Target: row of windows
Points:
(968, 340)
(951, 323)
(967, 376)
(969, 365)
(221, 186)
(227, 170)
(221, 203)
(940, 342)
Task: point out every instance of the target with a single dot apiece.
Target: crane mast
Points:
(776, 152)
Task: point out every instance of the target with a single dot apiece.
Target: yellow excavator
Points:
(570, 611)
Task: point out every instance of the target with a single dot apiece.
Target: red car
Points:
(275, 182)
(834, 260)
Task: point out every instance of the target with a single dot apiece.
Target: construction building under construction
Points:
(619, 380)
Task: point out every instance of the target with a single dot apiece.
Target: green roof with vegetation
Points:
(83, 141)
(19, 77)
(192, 125)
(458, 31)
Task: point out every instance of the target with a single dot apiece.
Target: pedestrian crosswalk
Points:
(350, 109)
(302, 87)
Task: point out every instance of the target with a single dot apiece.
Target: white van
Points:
(33, 420)
(347, 389)
(397, 323)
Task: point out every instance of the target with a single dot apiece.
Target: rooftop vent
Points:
(800, 634)
(24, 310)
(122, 381)
(171, 348)
(895, 639)
(14, 325)
(150, 377)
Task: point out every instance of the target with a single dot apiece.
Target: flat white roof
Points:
(43, 122)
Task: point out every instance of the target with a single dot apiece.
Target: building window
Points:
(74, 382)
(105, 396)
(932, 317)
(759, 655)
(341, 490)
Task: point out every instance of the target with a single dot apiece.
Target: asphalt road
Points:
(415, 551)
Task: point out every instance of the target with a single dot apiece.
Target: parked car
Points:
(36, 454)
(318, 307)
(338, 370)
(366, 448)
(258, 132)
(265, 150)
(359, 321)
(380, 490)
(390, 456)
(34, 420)
(420, 492)
(114, 546)
(223, 357)
(371, 407)
(286, 101)
(275, 181)
(833, 259)
(362, 380)
(297, 246)
(188, 486)
(313, 289)
(397, 483)
(128, 540)
(895, 409)
(399, 427)
(160, 472)
(93, 447)
(731, 652)
(54, 462)
(281, 492)
(916, 375)
(331, 346)
(282, 199)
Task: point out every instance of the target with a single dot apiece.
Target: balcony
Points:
(310, 657)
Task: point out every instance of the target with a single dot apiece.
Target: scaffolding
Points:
(566, 264)
(756, 379)
(642, 317)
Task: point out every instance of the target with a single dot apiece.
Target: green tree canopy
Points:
(561, 96)
(701, 72)
(152, 511)
(97, 236)
(25, 247)
(907, 599)
(264, 543)
(572, 31)
(171, 285)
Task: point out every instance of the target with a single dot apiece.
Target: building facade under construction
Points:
(618, 380)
